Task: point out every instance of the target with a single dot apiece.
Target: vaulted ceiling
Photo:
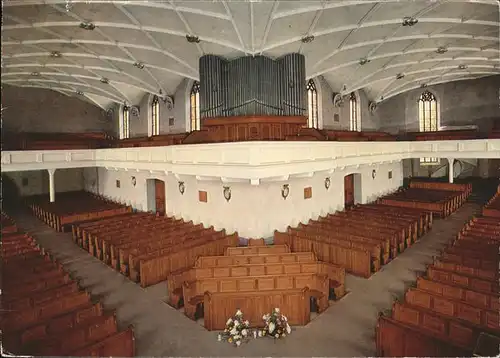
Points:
(117, 51)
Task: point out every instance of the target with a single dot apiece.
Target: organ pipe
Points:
(250, 85)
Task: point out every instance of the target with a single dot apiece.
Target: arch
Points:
(355, 112)
(154, 118)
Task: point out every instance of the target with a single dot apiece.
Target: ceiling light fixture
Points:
(462, 67)
(409, 21)
(36, 74)
(192, 39)
(87, 25)
(441, 50)
(139, 65)
(307, 39)
(55, 54)
(400, 76)
(104, 80)
(80, 93)
(363, 61)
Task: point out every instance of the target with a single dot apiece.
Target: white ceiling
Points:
(154, 32)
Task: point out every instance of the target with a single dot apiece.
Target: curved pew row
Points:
(63, 213)
(46, 313)
(361, 249)
(454, 308)
(433, 197)
(256, 278)
(146, 247)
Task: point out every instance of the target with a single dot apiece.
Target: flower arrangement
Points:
(237, 329)
(276, 324)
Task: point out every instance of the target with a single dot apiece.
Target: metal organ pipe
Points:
(252, 86)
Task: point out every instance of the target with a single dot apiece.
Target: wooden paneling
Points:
(349, 190)
(160, 196)
(202, 196)
(308, 192)
(244, 128)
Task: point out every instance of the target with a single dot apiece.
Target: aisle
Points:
(346, 329)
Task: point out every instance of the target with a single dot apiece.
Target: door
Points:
(160, 196)
(349, 190)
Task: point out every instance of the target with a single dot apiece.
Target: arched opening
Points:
(11, 196)
(352, 190)
(156, 196)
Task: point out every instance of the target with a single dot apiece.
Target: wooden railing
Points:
(229, 129)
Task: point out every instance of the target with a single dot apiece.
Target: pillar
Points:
(52, 185)
(450, 169)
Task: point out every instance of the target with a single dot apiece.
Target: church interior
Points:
(250, 178)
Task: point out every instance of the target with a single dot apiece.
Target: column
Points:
(52, 185)
(450, 169)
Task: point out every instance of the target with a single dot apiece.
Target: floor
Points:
(347, 328)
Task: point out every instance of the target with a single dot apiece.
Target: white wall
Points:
(253, 211)
(140, 126)
(38, 181)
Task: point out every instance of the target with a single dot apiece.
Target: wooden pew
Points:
(294, 303)
(484, 300)
(241, 266)
(488, 319)
(121, 344)
(155, 269)
(456, 331)
(46, 313)
(355, 261)
(396, 339)
(194, 291)
(257, 250)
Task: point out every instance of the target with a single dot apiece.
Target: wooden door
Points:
(349, 190)
(160, 196)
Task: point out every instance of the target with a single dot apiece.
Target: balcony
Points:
(248, 160)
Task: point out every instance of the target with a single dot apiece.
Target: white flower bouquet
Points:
(237, 330)
(276, 324)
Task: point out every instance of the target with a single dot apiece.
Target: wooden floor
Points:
(347, 328)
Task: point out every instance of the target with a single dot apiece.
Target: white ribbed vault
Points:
(44, 45)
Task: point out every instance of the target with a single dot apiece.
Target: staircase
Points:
(461, 168)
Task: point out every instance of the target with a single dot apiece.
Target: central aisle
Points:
(347, 328)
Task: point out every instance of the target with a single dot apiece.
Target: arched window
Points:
(125, 123)
(428, 119)
(353, 113)
(195, 106)
(155, 116)
(427, 112)
(312, 104)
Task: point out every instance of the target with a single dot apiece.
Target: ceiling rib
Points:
(186, 25)
(456, 30)
(474, 75)
(268, 27)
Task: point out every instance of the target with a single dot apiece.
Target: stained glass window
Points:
(155, 116)
(427, 118)
(312, 104)
(353, 110)
(195, 106)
